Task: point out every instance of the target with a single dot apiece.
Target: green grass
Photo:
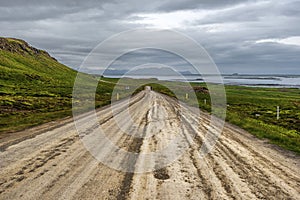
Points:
(254, 109)
(35, 88)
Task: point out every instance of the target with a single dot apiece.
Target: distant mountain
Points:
(114, 72)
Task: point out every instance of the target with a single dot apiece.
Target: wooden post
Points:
(118, 96)
(277, 116)
(186, 96)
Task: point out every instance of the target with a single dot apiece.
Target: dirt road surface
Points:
(51, 162)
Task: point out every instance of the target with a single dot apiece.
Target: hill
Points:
(25, 69)
(34, 87)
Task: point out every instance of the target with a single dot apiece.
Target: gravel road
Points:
(51, 161)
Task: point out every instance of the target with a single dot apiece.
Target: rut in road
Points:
(55, 164)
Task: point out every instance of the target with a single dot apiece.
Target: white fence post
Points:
(277, 116)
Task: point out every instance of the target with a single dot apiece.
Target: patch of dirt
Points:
(161, 174)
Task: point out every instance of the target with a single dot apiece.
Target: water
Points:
(276, 81)
(267, 82)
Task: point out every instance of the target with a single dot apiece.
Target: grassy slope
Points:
(35, 88)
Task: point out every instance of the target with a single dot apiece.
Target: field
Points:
(254, 109)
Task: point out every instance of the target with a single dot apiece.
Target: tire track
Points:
(54, 164)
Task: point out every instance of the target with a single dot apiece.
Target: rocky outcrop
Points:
(20, 46)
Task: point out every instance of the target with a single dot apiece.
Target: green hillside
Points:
(26, 70)
(34, 87)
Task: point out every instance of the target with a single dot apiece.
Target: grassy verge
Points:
(255, 110)
(26, 108)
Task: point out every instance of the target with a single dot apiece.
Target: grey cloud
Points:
(70, 29)
(253, 12)
(141, 57)
(196, 4)
(65, 3)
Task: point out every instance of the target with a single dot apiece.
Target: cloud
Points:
(288, 41)
(240, 35)
(176, 5)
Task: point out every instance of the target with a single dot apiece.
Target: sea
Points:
(271, 81)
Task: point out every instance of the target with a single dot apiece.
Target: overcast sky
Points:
(241, 36)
